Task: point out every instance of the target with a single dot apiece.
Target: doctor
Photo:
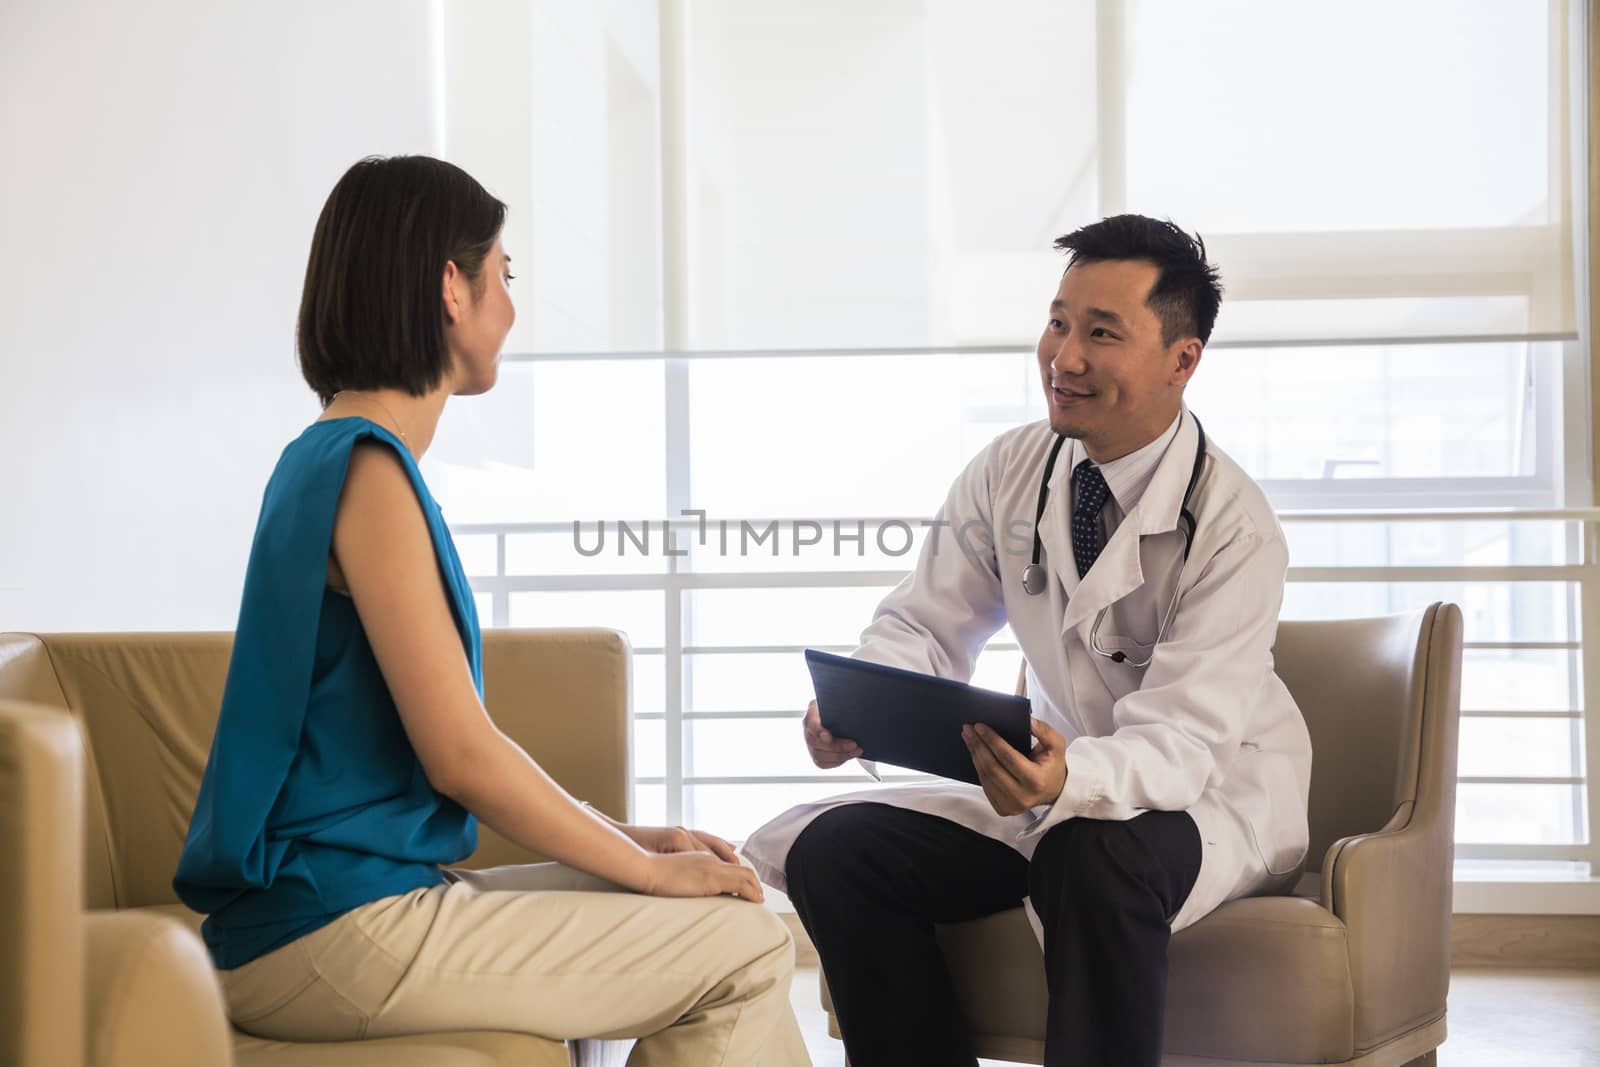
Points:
(1142, 572)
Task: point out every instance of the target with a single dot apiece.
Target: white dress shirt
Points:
(1126, 476)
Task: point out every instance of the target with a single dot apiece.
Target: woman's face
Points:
(476, 322)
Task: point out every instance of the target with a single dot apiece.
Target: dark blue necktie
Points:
(1090, 495)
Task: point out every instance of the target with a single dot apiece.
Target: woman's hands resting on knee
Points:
(728, 875)
(700, 874)
(667, 839)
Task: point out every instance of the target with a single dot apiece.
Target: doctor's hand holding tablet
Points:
(936, 725)
(827, 751)
(1013, 782)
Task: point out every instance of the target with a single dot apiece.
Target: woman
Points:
(353, 753)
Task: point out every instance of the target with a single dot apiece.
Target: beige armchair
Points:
(103, 738)
(1354, 970)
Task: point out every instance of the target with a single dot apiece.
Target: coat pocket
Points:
(1278, 821)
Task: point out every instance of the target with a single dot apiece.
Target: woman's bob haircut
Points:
(372, 311)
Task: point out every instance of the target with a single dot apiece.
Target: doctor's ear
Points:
(1187, 359)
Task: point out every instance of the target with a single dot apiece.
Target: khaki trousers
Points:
(539, 949)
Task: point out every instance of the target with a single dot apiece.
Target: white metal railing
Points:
(674, 580)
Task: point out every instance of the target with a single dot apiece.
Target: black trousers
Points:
(870, 881)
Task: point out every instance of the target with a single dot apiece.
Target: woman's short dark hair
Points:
(1188, 290)
(371, 313)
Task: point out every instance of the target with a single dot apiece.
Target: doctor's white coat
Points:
(1207, 727)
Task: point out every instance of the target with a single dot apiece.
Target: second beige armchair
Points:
(1352, 970)
(103, 738)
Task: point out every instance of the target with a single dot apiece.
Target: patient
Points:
(353, 756)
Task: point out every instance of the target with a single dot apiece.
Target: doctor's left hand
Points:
(1014, 782)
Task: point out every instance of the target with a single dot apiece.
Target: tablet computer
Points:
(909, 719)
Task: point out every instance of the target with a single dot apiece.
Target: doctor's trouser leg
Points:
(538, 949)
(1106, 894)
(870, 882)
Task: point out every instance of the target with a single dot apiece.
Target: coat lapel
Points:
(1118, 572)
(1114, 575)
(1056, 523)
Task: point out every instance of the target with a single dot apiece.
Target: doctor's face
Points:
(1108, 378)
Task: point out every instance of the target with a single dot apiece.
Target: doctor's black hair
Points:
(1188, 290)
(372, 310)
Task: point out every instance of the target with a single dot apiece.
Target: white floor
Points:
(1497, 1019)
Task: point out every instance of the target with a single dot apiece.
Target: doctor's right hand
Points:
(827, 751)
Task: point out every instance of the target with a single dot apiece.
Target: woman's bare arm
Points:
(382, 545)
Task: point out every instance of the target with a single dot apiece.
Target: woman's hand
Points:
(693, 863)
(701, 874)
(670, 839)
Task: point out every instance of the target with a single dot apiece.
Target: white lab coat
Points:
(1206, 728)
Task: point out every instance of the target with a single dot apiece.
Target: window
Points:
(770, 241)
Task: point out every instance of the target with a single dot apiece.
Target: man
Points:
(1170, 768)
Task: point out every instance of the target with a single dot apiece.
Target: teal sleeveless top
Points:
(313, 800)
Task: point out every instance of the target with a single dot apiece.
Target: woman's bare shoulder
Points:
(375, 468)
(379, 512)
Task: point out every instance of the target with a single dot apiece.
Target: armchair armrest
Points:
(152, 997)
(1393, 888)
(41, 894)
(1393, 891)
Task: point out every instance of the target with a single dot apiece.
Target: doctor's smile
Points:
(1065, 396)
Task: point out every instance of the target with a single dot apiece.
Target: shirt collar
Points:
(1129, 476)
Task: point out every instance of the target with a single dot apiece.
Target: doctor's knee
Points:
(1075, 858)
(834, 842)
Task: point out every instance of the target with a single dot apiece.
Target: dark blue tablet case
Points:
(909, 719)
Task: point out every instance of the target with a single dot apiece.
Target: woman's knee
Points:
(759, 941)
(770, 931)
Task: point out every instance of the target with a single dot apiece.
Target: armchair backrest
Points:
(1378, 695)
(1366, 688)
(146, 707)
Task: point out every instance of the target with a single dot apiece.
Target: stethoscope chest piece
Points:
(1033, 579)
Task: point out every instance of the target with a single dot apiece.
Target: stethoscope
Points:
(1034, 576)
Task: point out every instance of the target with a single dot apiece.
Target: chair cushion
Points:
(998, 973)
(1264, 978)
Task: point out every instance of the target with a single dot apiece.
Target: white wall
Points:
(807, 158)
(163, 167)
